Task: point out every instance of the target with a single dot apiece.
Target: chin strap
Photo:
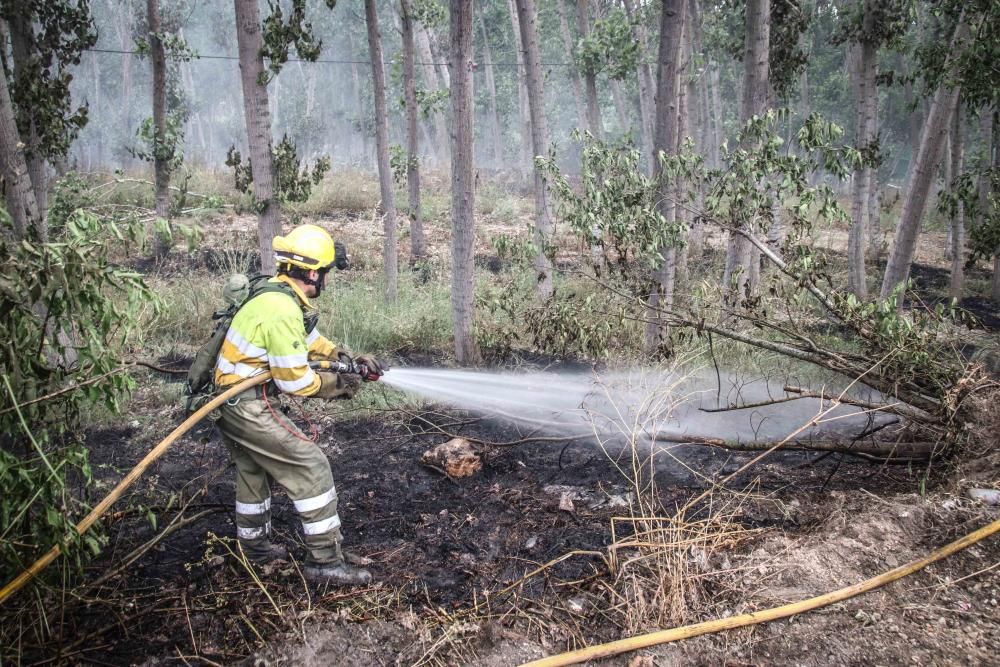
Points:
(303, 274)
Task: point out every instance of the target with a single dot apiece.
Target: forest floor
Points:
(529, 557)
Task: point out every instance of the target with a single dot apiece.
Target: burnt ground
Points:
(444, 552)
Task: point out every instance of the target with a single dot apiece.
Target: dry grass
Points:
(661, 559)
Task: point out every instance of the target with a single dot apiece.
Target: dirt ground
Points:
(513, 563)
(450, 558)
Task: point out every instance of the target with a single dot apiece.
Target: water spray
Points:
(646, 404)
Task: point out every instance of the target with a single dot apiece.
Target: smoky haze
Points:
(327, 107)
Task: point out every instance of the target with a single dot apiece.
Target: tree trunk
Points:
(524, 115)
(491, 89)
(645, 83)
(992, 156)
(874, 191)
(986, 140)
(258, 123)
(161, 164)
(701, 129)
(864, 135)
(418, 246)
(462, 194)
(23, 47)
(389, 249)
(904, 245)
(589, 75)
(574, 73)
(432, 84)
(957, 282)
(874, 219)
(124, 24)
(756, 54)
(717, 114)
(197, 122)
(621, 109)
(19, 195)
(526, 17)
(667, 94)
(685, 90)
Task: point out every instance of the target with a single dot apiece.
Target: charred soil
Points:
(511, 564)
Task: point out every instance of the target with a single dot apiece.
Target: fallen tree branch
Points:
(900, 409)
(891, 452)
(172, 187)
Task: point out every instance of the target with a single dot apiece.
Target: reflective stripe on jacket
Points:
(268, 333)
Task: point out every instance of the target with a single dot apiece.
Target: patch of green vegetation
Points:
(356, 315)
(340, 191)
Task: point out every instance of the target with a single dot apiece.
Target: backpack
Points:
(238, 291)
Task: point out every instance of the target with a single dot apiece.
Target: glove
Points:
(337, 385)
(371, 362)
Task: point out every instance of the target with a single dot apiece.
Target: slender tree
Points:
(756, 57)
(987, 160)
(526, 17)
(389, 247)
(567, 39)
(462, 194)
(524, 114)
(418, 246)
(667, 100)
(253, 78)
(432, 84)
(491, 89)
(866, 49)
(643, 79)
(161, 167)
(956, 284)
(897, 270)
(589, 73)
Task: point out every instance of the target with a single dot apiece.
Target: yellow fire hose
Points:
(129, 479)
(709, 627)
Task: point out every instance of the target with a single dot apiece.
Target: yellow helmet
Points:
(306, 246)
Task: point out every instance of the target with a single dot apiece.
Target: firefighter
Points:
(276, 331)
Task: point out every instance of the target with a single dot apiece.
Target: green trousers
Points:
(266, 447)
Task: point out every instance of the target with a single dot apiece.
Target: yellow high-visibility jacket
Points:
(268, 333)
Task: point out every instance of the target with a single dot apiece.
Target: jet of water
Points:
(645, 403)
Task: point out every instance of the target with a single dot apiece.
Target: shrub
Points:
(68, 313)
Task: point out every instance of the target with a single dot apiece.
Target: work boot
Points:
(264, 552)
(337, 573)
